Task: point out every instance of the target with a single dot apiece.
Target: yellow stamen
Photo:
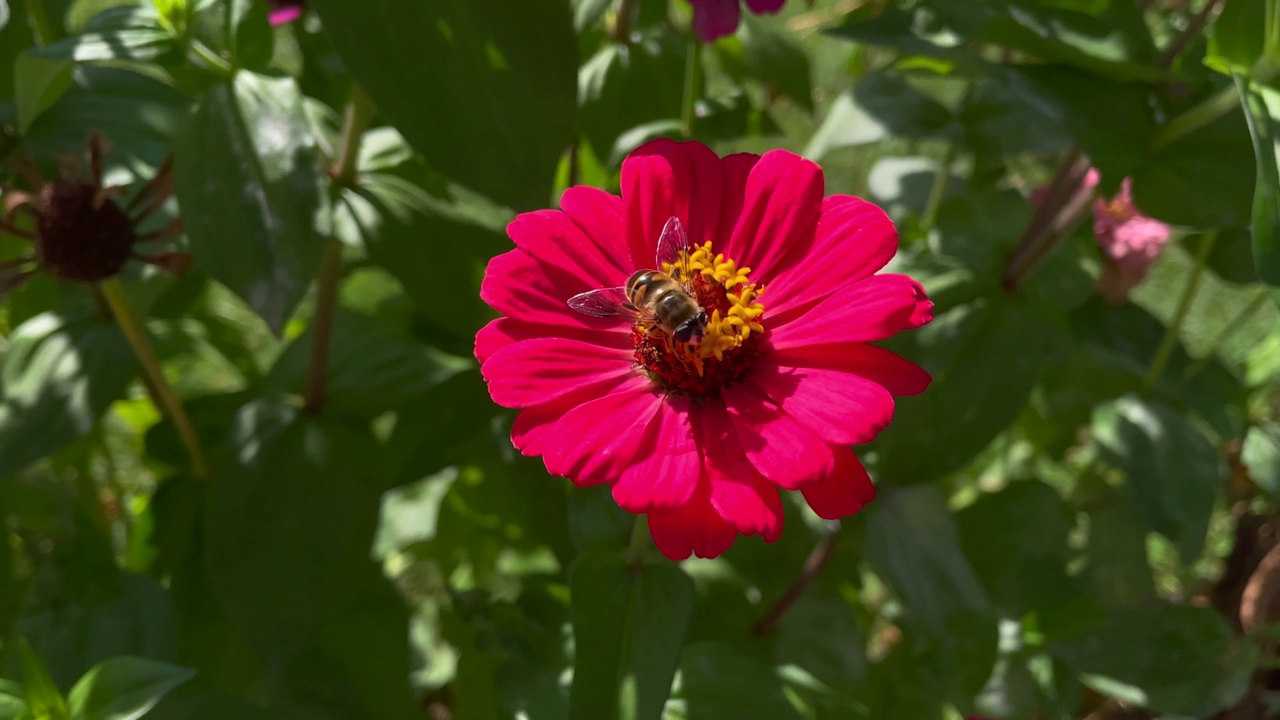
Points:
(724, 331)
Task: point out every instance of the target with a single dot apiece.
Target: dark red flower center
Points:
(82, 235)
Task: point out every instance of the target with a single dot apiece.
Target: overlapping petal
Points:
(663, 179)
(837, 407)
(538, 371)
(872, 309)
(844, 491)
(782, 201)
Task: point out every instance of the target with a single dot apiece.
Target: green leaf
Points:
(37, 84)
(767, 53)
(1262, 106)
(1261, 456)
(880, 106)
(1175, 660)
(600, 589)
(1173, 470)
(626, 86)
(1016, 540)
(717, 681)
(249, 35)
(913, 544)
(124, 688)
(289, 524)
(12, 704)
(1196, 181)
(253, 194)
(502, 114)
(363, 382)
(661, 605)
(122, 33)
(985, 360)
(42, 697)
(56, 379)
(1238, 38)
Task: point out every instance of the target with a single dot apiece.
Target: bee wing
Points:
(673, 245)
(605, 302)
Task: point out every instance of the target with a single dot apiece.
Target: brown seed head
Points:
(82, 235)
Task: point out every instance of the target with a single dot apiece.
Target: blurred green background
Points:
(1077, 520)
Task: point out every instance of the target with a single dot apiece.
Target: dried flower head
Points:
(80, 232)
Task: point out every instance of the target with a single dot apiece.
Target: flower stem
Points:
(45, 32)
(211, 60)
(639, 542)
(1184, 305)
(356, 117)
(939, 189)
(162, 392)
(692, 69)
(1214, 107)
(622, 30)
(818, 559)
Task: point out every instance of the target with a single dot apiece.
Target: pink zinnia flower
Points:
(1130, 241)
(701, 437)
(286, 11)
(717, 18)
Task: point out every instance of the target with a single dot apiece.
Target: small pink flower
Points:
(286, 11)
(714, 19)
(700, 436)
(1130, 241)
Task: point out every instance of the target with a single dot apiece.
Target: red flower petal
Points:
(837, 407)
(843, 492)
(854, 239)
(872, 309)
(663, 178)
(898, 376)
(736, 170)
(534, 372)
(780, 211)
(522, 288)
(600, 439)
(782, 449)
(535, 425)
(693, 528)
(665, 475)
(739, 493)
(551, 238)
(602, 218)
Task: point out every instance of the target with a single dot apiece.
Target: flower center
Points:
(733, 336)
(80, 236)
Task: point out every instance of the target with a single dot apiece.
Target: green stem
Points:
(1226, 333)
(1213, 107)
(44, 31)
(692, 69)
(639, 541)
(163, 395)
(356, 117)
(939, 189)
(1170, 339)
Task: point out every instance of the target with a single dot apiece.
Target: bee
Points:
(664, 301)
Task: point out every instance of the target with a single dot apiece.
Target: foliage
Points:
(283, 492)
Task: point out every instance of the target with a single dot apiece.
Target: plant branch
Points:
(1063, 206)
(817, 560)
(622, 29)
(939, 189)
(355, 120)
(162, 392)
(1190, 32)
(1170, 339)
(44, 31)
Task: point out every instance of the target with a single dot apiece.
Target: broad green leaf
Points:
(767, 53)
(662, 599)
(1237, 37)
(999, 122)
(820, 634)
(985, 360)
(1173, 471)
(880, 106)
(913, 543)
(15, 36)
(248, 33)
(363, 382)
(717, 681)
(37, 84)
(56, 379)
(600, 588)
(627, 86)
(289, 523)
(588, 13)
(1196, 181)
(1176, 660)
(431, 433)
(4, 14)
(122, 33)
(1262, 105)
(253, 194)
(1016, 540)
(1261, 456)
(124, 688)
(501, 115)
(12, 704)
(41, 695)
(139, 115)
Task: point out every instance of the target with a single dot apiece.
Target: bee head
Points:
(692, 330)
